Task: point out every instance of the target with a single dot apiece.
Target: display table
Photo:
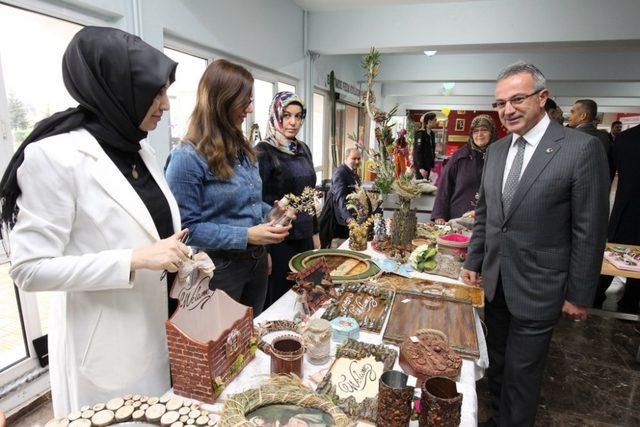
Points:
(257, 371)
(608, 269)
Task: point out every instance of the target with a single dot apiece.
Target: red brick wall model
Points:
(189, 366)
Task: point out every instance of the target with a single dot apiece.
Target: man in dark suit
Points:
(424, 147)
(624, 223)
(616, 128)
(582, 117)
(538, 240)
(335, 216)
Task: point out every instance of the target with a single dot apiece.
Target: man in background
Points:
(582, 117)
(624, 223)
(424, 147)
(616, 128)
(335, 216)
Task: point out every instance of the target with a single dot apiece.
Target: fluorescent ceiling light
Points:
(430, 52)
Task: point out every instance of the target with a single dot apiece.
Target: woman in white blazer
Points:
(94, 221)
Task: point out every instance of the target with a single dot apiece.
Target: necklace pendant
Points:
(134, 172)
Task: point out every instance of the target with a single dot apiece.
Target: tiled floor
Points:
(591, 378)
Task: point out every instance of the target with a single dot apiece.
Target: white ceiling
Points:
(333, 5)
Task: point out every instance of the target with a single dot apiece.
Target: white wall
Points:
(472, 23)
(266, 34)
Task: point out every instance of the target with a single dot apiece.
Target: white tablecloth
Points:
(257, 371)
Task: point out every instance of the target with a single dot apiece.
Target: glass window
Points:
(182, 93)
(317, 142)
(282, 87)
(262, 96)
(32, 95)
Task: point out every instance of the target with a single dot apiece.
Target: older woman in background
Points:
(461, 177)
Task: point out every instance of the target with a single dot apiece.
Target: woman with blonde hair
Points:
(214, 176)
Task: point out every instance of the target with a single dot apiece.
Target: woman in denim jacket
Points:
(214, 177)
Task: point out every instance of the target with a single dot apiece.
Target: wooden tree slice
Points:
(137, 415)
(136, 397)
(63, 422)
(202, 420)
(184, 418)
(154, 412)
(88, 413)
(169, 418)
(136, 403)
(177, 424)
(128, 402)
(212, 422)
(174, 404)
(165, 399)
(98, 407)
(127, 396)
(144, 399)
(80, 422)
(191, 421)
(124, 413)
(84, 408)
(115, 404)
(204, 412)
(184, 410)
(153, 400)
(74, 415)
(144, 406)
(195, 406)
(103, 418)
(195, 413)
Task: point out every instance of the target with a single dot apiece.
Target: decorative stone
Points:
(88, 413)
(103, 418)
(115, 404)
(169, 418)
(154, 412)
(174, 404)
(74, 415)
(124, 413)
(137, 415)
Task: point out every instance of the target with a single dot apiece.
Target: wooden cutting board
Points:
(411, 312)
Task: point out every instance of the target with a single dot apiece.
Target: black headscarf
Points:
(115, 77)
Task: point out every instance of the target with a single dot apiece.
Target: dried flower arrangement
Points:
(305, 202)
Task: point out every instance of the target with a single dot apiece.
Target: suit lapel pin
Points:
(549, 150)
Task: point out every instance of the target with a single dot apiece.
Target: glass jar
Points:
(317, 339)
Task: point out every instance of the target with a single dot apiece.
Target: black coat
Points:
(604, 138)
(334, 216)
(624, 222)
(424, 150)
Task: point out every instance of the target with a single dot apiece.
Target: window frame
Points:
(27, 302)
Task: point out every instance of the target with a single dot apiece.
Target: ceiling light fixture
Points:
(430, 52)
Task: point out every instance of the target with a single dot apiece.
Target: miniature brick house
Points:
(209, 345)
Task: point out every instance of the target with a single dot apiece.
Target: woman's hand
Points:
(167, 254)
(266, 234)
(316, 241)
(440, 221)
